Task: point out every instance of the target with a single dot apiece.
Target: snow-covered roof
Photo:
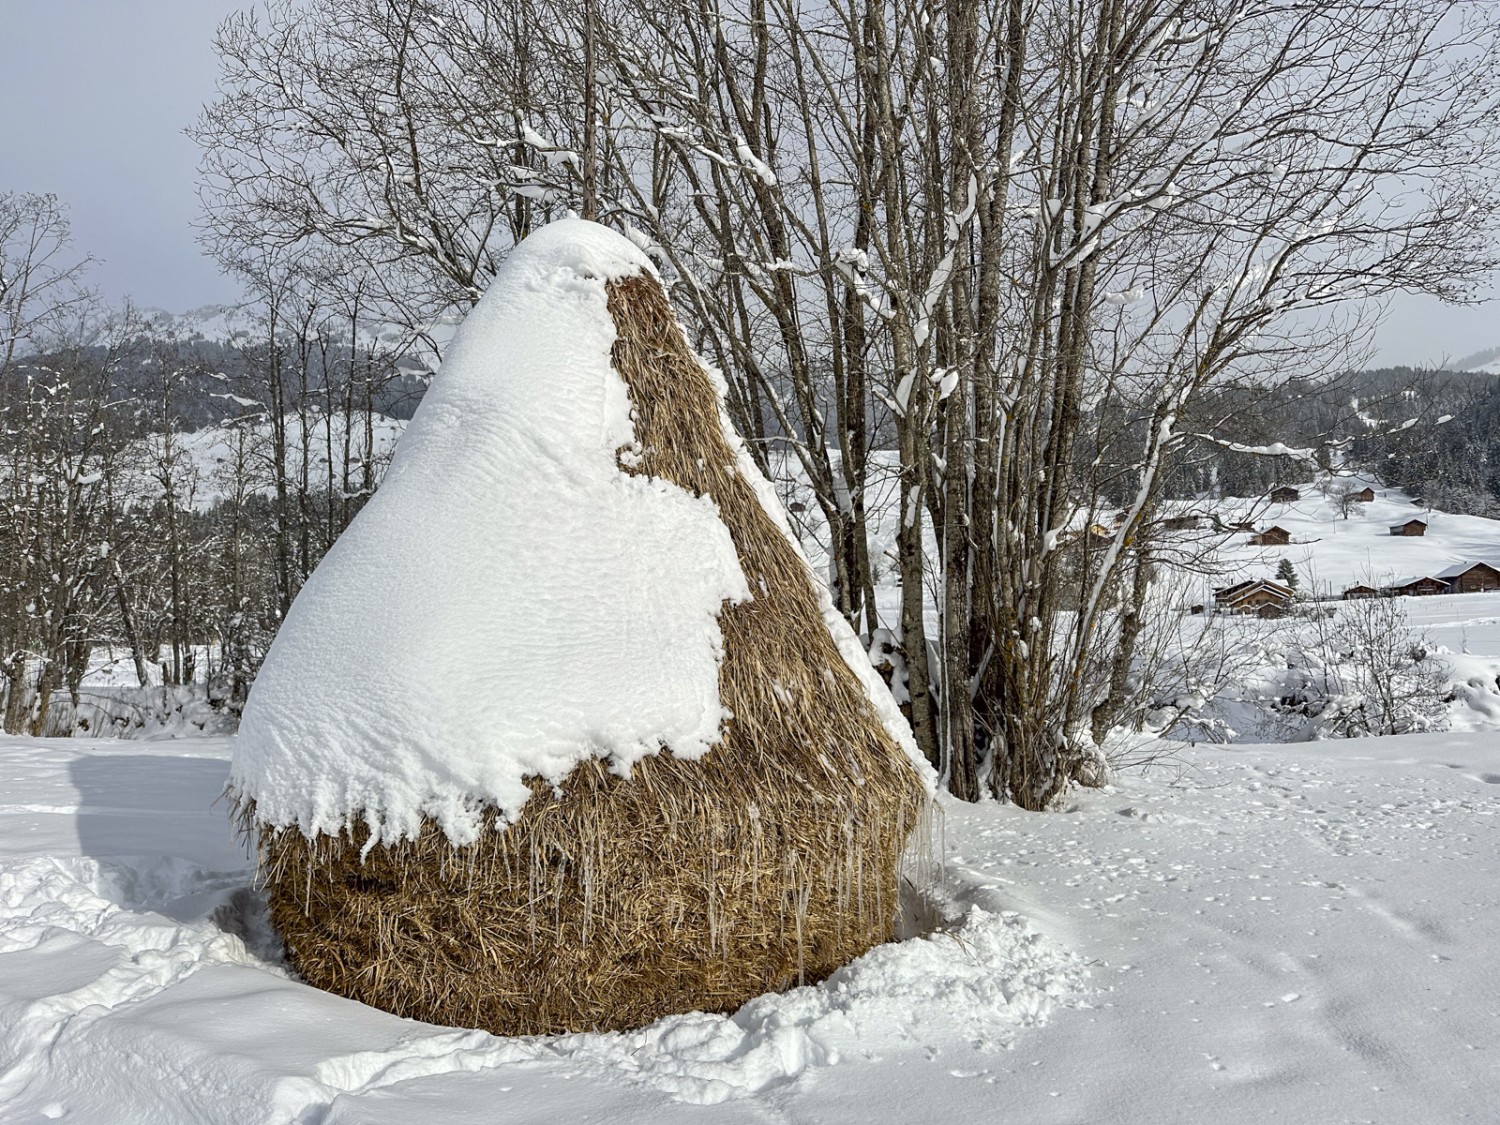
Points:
(1413, 579)
(1243, 589)
(510, 602)
(1462, 568)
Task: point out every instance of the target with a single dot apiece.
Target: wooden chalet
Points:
(1258, 596)
(1357, 591)
(1284, 495)
(1180, 523)
(1365, 495)
(1271, 537)
(1421, 586)
(1471, 578)
(1412, 528)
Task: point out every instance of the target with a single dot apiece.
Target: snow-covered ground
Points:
(1332, 552)
(1298, 933)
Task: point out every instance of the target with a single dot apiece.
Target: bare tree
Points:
(49, 421)
(1362, 670)
(1020, 243)
(60, 445)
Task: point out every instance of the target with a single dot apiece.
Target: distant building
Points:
(1420, 586)
(1180, 523)
(1284, 495)
(1258, 596)
(1271, 537)
(1412, 527)
(1471, 578)
(1460, 578)
(1365, 495)
(1353, 593)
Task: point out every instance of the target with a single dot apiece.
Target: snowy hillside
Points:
(217, 324)
(209, 462)
(1332, 551)
(1486, 361)
(1287, 933)
(245, 325)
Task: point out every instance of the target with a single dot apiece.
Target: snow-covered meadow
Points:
(216, 463)
(1333, 549)
(1301, 933)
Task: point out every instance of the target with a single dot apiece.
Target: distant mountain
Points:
(221, 355)
(216, 324)
(238, 325)
(1487, 361)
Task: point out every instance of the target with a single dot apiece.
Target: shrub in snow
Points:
(1362, 671)
(562, 734)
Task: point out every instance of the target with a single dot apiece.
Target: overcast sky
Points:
(95, 94)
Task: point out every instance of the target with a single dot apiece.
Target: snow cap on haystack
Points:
(562, 734)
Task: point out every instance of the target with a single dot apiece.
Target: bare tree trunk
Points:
(127, 620)
(590, 113)
(41, 707)
(15, 694)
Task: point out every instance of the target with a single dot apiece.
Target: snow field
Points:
(1300, 933)
(210, 461)
(139, 981)
(1332, 553)
(1295, 933)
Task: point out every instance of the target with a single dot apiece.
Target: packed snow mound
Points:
(510, 603)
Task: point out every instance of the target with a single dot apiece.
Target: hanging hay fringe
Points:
(690, 885)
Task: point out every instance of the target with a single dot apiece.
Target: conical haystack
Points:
(705, 841)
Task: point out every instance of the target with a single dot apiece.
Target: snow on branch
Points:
(1281, 449)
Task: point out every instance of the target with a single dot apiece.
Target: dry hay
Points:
(690, 885)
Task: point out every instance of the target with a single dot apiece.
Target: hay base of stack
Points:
(691, 884)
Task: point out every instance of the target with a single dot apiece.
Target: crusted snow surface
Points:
(510, 602)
